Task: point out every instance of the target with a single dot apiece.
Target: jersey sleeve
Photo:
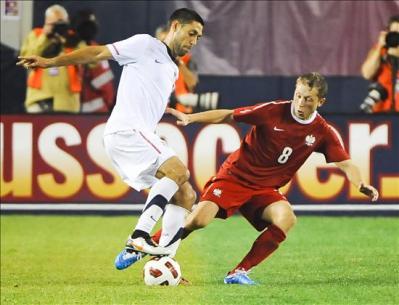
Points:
(254, 115)
(332, 147)
(130, 49)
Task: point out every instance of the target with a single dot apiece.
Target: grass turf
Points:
(69, 260)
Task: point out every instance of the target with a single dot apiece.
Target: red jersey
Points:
(98, 92)
(278, 144)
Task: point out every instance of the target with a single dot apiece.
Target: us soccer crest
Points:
(310, 139)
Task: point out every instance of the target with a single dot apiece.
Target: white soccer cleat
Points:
(147, 246)
(173, 248)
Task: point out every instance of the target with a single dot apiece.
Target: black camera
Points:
(376, 93)
(392, 40)
(61, 28)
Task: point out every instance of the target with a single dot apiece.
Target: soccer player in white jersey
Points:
(142, 159)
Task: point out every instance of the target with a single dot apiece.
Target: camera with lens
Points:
(69, 39)
(392, 40)
(376, 93)
(61, 28)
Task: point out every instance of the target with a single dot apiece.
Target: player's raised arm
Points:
(211, 116)
(82, 56)
(353, 174)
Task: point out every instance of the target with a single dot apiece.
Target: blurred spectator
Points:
(57, 88)
(381, 67)
(12, 80)
(184, 98)
(98, 92)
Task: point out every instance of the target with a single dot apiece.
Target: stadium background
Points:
(251, 52)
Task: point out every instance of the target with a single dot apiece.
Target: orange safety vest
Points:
(75, 81)
(180, 85)
(181, 88)
(384, 78)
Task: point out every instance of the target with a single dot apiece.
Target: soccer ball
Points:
(162, 271)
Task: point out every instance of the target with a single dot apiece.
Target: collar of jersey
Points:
(308, 121)
(170, 53)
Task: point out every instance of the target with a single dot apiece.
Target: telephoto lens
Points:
(376, 94)
(392, 40)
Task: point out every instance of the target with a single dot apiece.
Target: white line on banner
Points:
(139, 207)
(70, 207)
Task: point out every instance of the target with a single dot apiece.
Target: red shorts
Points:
(231, 196)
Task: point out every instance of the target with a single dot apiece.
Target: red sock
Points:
(264, 245)
(157, 236)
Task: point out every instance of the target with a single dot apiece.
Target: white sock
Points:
(160, 194)
(172, 223)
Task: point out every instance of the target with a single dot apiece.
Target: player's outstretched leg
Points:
(239, 276)
(172, 175)
(281, 219)
(264, 245)
(202, 215)
(140, 241)
(127, 258)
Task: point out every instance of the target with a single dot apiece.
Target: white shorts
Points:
(137, 155)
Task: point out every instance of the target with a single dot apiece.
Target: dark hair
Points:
(85, 24)
(393, 19)
(184, 16)
(315, 80)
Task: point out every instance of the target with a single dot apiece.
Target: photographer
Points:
(58, 88)
(381, 67)
(98, 91)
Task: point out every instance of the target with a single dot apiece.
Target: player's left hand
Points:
(369, 191)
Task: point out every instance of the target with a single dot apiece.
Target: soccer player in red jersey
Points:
(283, 136)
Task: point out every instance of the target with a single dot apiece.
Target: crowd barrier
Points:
(54, 159)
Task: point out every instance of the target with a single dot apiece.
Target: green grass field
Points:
(325, 260)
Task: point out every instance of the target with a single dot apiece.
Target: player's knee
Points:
(285, 221)
(292, 220)
(188, 198)
(185, 196)
(179, 175)
(174, 169)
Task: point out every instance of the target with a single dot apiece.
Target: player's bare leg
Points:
(281, 218)
(280, 214)
(185, 196)
(203, 214)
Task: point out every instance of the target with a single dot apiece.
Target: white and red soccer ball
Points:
(162, 271)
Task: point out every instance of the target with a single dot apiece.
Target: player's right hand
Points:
(182, 118)
(33, 61)
(369, 191)
(381, 38)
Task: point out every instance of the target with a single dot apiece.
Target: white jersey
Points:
(148, 78)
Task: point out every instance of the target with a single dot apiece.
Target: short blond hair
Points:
(57, 8)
